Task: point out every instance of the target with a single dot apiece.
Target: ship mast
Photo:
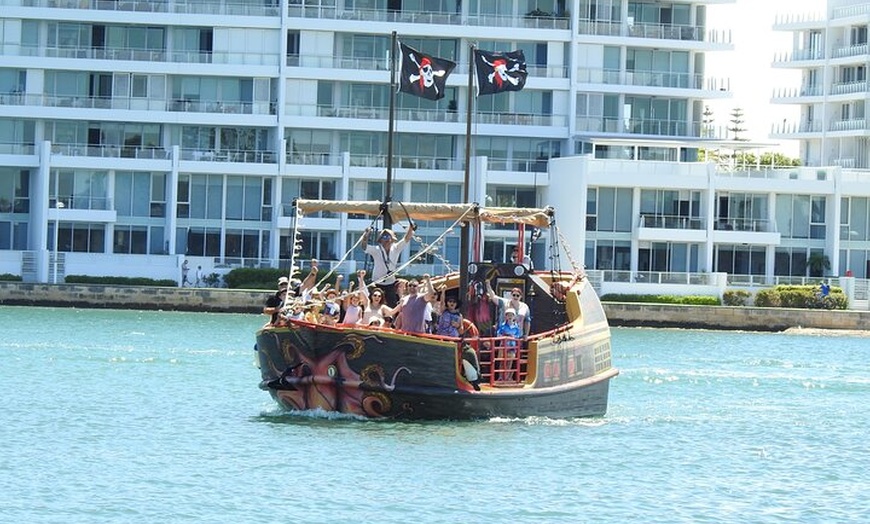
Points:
(388, 189)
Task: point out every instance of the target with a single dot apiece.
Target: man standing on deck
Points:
(385, 255)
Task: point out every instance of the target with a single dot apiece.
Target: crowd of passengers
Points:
(412, 306)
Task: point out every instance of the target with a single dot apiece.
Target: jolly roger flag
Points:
(423, 75)
(498, 72)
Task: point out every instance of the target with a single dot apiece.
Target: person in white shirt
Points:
(385, 255)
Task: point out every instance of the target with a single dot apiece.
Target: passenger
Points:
(471, 366)
(294, 311)
(521, 309)
(385, 255)
(353, 309)
(413, 310)
(450, 319)
(402, 293)
(312, 313)
(375, 309)
(275, 302)
(515, 258)
(330, 311)
(508, 353)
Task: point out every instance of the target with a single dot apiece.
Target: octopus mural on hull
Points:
(329, 383)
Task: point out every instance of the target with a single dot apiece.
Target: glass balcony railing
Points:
(143, 55)
(82, 202)
(673, 222)
(653, 31)
(533, 19)
(160, 6)
(652, 79)
(761, 225)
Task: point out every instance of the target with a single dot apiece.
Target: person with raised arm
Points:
(385, 255)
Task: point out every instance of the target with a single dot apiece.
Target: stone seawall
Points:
(733, 318)
(129, 297)
(241, 301)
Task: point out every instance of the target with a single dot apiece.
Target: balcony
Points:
(859, 50)
(800, 55)
(145, 55)
(146, 6)
(849, 88)
(653, 31)
(755, 231)
(668, 79)
(531, 20)
(229, 155)
(672, 228)
(109, 151)
(790, 93)
(187, 105)
(853, 124)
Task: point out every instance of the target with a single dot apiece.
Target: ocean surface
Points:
(129, 416)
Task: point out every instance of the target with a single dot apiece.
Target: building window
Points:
(740, 260)
(78, 237)
(203, 242)
(132, 240)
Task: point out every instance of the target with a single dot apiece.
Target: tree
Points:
(736, 123)
(818, 263)
(767, 159)
(707, 130)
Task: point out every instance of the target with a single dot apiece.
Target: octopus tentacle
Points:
(390, 386)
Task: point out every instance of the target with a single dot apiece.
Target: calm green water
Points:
(120, 416)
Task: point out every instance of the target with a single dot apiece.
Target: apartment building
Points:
(137, 134)
(830, 50)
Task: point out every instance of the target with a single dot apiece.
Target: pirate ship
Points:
(561, 369)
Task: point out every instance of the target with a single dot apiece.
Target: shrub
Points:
(694, 300)
(264, 278)
(9, 277)
(801, 297)
(735, 297)
(768, 298)
(120, 281)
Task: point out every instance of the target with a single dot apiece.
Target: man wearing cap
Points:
(385, 255)
(275, 302)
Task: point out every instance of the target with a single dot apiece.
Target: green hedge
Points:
(120, 281)
(264, 278)
(801, 297)
(9, 277)
(692, 300)
(736, 297)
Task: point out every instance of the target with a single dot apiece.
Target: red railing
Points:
(503, 361)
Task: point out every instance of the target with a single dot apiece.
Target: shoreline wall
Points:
(252, 301)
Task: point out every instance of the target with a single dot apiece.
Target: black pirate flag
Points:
(423, 75)
(497, 72)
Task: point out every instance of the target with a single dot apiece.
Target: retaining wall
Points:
(236, 301)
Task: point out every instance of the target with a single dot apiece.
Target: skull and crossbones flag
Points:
(423, 75)
(498, 72)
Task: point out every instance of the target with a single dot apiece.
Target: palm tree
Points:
(818, 263)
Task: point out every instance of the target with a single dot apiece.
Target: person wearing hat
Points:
(508, 352)
(385, 255)
(275, 302)
(450, 319)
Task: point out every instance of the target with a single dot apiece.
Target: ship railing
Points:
(503, 361)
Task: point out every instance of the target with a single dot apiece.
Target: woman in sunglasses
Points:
(515, 302)
(374, 309)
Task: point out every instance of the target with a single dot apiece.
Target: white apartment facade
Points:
(830, 49)
(136, 134)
